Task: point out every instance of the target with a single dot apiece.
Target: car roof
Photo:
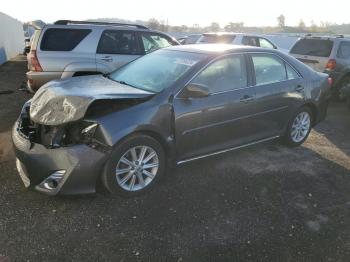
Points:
(326, 37)
(218, 48)
(229, 33)
(94, 26)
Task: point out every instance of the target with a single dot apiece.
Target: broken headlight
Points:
(81, 132)
(88, 132)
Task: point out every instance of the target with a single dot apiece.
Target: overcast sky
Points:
(179, 12)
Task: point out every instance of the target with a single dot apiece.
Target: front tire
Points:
(299, 127)
(135, 166)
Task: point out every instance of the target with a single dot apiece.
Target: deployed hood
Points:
(64, 101)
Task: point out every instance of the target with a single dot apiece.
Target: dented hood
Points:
(64, 101)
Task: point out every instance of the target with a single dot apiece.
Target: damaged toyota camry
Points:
(169, 107)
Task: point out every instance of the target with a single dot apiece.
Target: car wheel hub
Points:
(137, 168)
(301, 126)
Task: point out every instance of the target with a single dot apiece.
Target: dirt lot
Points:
(264, 203)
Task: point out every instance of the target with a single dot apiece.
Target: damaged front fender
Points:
(64, 101)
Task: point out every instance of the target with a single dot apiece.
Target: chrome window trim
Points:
(206, 66)
(286, 62)
(248, 86)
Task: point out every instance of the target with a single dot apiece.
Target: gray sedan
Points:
(175, 105)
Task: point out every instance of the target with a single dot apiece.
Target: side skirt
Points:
(226, 150)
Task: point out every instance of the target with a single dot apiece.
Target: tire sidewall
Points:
(108, 176)
(288, 137)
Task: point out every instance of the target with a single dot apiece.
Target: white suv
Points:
(75, 48)
(236, 39)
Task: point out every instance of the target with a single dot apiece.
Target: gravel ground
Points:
(263, 203)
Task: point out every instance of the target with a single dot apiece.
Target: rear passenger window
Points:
(117, 42)
(268, 69)
(152, 42)
(58, 39)
(344, 50)
(264, 43)
(291, 73)
(313, 47)
(223, 75)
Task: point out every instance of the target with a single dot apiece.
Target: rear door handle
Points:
(299, 88)
(246, 99)
(107, 58)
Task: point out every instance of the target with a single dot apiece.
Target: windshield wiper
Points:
(106, 75)
(125, 83)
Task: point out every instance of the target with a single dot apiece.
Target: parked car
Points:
(27, 44)
(190, 39)
(328, 54)
(75, 48)
(174, 105)
(236, 39)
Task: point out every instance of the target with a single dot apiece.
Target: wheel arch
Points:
(166, 143)
(342, 78)
(314, 111)
(71, 69)
(86, 73)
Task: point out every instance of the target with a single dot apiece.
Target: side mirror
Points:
(195, 90)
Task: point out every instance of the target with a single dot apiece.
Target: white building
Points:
(11, 37)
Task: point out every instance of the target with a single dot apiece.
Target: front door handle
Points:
(246, 99)
(107, 58)
(299, 88)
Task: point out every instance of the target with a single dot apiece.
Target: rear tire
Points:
(338, 95)
(134, 167)
(299, 127)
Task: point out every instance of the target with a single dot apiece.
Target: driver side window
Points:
(226, 74)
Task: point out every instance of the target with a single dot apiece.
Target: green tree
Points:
(234, 27)
(153, 24)
(215, 27)
(301, 25)
(281, 21)
(313, 27)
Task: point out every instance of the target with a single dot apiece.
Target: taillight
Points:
(35, 65)
(331, 64)
(330, 81)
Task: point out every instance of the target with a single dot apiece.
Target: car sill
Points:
(226, 150)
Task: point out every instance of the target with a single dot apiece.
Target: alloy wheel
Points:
(137, 168)
(301, 127)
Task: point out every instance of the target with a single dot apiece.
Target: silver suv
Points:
(75, 48)
(328, 54)
(236, 39)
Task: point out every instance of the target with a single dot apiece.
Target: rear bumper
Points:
(36, 79)
(80, 164)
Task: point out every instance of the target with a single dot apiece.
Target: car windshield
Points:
(156, 71)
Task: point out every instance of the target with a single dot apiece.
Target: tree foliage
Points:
(281, 21)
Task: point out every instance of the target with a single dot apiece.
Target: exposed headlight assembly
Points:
(88, 132)
(88, 136)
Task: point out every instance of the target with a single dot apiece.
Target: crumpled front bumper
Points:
(35, 163)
